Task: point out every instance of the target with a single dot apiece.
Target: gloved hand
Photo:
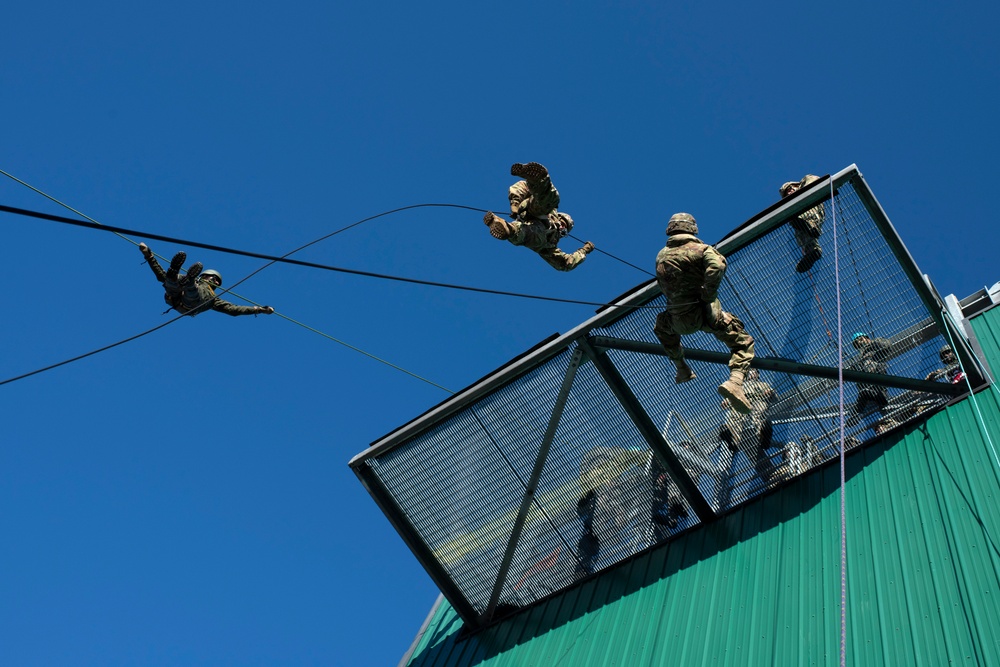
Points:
(266, 310)
(588, 248)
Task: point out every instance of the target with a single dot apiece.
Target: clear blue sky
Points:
(185, 499)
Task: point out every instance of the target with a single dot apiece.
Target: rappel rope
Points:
(843, 476)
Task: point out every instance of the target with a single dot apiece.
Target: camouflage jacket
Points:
(208, 301)
(874, 359)
(689, 273)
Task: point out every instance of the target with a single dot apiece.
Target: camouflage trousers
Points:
(533, 199)
(543, 239)
(808, 227)
(726, 327)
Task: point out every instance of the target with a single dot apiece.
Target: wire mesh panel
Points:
(460, 484)
(606, 495)
(585, 452)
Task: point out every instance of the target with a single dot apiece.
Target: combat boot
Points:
(733, 390)
(175, 265)
(808, 259)
(500, 229)
(192, 274)
(684, 372)
(529, 171)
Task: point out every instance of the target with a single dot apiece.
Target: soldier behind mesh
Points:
(808, 225)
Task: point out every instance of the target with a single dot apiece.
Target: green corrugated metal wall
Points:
(761, 586)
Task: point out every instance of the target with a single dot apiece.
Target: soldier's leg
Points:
(811, 251)
(729, 329)
(175, 265)
(671, 342)
(543, 198)
(588, 547)
(500, 229)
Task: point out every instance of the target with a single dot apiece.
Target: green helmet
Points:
(682, 223)
(212, 272)
(946, 351)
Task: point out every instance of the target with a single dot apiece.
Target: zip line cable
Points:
(88, 354)
(314, 265)
(230, 290)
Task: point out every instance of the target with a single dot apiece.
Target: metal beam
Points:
(536, 474)
(650, 433)
(783, 366)
(413, 540)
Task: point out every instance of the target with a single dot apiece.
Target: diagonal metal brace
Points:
(648, 430)
(536, 474)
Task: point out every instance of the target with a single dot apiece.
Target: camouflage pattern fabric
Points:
(808, 225)
(747, 428)
(873, 359)
(543, 237)
(193, 299)
(533, 200)
(689, 273)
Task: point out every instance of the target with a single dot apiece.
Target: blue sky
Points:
(184, 499)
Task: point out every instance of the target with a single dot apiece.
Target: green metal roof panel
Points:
(987, 329)
(761, 586)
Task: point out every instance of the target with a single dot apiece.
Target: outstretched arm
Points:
(153, 264)
(235, 311)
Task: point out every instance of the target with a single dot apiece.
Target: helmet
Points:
(855, 337)
(212, 272)
(785, 186)
(946, 351)
(563, 220)
(682, 223)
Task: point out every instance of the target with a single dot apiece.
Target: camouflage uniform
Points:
(193, 298)
(537, 223)
(747, 428)
(689, 273)
(808, 226)
(873, 359)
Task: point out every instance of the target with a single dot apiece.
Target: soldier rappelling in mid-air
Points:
(537, 224)
(194, 292)
(689, 273)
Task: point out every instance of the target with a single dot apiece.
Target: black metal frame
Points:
(593, 348)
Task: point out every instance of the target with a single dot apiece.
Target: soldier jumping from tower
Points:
(689, 273)
(537, 224)
(194, 292)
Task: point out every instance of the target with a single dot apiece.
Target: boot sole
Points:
(497, 225)
(531, 171)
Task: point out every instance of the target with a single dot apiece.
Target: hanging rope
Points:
(843, 475)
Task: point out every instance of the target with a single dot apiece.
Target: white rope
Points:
(843, 477)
